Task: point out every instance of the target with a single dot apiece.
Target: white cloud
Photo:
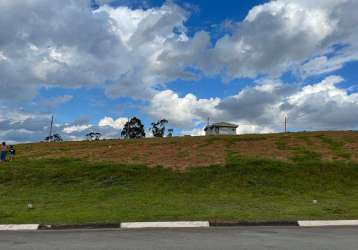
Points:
(110, 122)
(76, 128)
(326, 89)
(324, 64)
(194, 132)
(262, 108)
(318, 106)
(253, 129)
(181, 111)
(63, 43)
(282, 35)
(2, 56)
(129, 52)
(324, 106)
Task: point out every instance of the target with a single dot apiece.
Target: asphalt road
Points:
(196, 239)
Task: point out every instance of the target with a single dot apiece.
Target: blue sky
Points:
(246, 62)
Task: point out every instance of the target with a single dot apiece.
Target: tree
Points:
(57, 138)
(54, 138)
(94, 136)
(170, 132)
(133, 129)
(158, 128)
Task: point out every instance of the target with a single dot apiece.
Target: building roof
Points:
(221, 125)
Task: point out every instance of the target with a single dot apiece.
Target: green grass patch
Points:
(306, 157)
(74, 191)
(336, 146)
(230, 140)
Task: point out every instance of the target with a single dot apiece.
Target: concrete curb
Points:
(20, 227)
(80, 226)
(176, 224)
(329, 223)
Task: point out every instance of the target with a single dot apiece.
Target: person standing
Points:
(12, 152)
(3, 152)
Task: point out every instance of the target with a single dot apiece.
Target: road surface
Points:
(195, 239)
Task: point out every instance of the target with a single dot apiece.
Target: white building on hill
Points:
(221, 128)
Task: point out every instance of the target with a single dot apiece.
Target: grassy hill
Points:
(185, 152)
(248, 177)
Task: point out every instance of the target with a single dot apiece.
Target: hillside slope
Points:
(184, 152)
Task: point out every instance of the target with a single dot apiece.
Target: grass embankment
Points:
(250, 188)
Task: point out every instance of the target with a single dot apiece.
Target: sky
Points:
(94, 64)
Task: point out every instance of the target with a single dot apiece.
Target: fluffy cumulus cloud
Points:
(130, 51)
(181, 111)
(110, 122)
(136, 49)
(323, 106)
(282, 35)
(45, 43)
(66, 43)
(262, 108)
(305, 37)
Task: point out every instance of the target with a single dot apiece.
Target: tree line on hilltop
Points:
(133, 129)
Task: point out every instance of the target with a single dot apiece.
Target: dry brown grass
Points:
(181, 153)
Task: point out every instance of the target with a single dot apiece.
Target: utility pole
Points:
(208, 121)
(286, 120)
(50, 136)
